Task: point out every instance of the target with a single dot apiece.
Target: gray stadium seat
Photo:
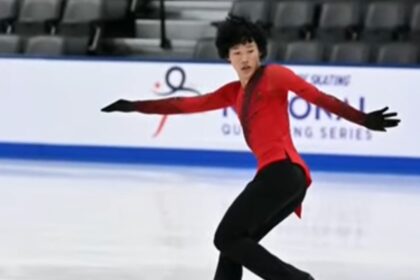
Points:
(397, 53)
(45, 45)
(38, 16)
(10, 44)
(383, 20)
(293, 19)
(349, 53)
(339, 20)
(83, 18)
(76, 46)
(254, 10)
(116, 9)
(79, 15)
(304, 52)
(8, 13)
(205, 48)
(55, 46)
(275, 50)
(415, 23)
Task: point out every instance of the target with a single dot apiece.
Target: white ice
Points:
(68, 221)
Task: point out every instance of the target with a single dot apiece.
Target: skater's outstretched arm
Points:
(221, 98)
(377, 120)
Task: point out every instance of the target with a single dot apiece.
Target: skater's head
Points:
(236, 30)
(242, 43)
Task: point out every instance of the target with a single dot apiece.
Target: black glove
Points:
(120, 106)
(377, 120)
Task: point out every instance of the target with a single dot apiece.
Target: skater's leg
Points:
(288, 209)
(273, 189)
(266, 228)
(227, 269)
(230, 270)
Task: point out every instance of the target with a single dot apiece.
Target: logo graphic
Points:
(175, 79)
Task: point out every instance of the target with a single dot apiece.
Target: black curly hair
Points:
(238, 30)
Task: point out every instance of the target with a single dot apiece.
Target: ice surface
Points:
(68, 221)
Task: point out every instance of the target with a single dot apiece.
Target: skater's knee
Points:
(219, 241)
(223, 240)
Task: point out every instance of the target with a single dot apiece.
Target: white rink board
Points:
(58, 102)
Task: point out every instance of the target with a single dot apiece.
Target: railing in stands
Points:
(165, 43)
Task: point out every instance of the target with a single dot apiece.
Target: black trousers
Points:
(268, 199)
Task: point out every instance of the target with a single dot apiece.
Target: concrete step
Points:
(175, 29)
(203, 10)
(174, 5)
(150, 48)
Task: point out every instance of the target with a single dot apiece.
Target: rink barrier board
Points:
(203, 158)
(63, 138)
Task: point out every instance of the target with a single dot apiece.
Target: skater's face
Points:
(245, 59)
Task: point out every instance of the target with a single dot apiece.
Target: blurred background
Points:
(312, 31)
(88, 195)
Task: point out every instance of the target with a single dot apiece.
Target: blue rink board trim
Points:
(207, 158)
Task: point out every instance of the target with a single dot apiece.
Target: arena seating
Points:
(299, 31)
(349, 53)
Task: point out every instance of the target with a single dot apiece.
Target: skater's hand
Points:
(119, 106)
(378, 120)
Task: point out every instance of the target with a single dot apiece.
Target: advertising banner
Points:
(58, 102)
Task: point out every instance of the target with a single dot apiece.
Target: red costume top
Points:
(266, 124)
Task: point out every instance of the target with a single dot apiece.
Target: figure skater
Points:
(259, 98)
